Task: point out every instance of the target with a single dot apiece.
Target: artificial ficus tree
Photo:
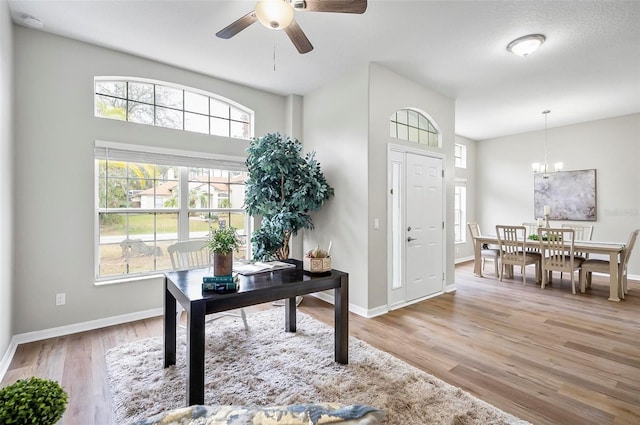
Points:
(283, 188)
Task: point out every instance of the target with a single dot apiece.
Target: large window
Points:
(171, 106)
(411, 125)
(460, 211)
(144, 206)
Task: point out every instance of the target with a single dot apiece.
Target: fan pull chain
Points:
(274, 57)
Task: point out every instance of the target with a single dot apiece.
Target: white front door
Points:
(416, 227)
(424, 226)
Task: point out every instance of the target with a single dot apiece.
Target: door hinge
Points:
(443, 225)
(443, 173)
(443, 276)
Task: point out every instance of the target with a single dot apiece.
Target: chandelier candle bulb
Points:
(547, 210)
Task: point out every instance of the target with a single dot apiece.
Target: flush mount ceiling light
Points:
(526, 45)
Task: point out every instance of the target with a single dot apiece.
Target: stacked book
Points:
(220, 284)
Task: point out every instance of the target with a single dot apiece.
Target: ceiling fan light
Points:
(526, 45)
(274, 14)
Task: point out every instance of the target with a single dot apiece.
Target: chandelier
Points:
(545, 168)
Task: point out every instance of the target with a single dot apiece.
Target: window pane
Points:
(195, 102)
(219, 109)
(392, 129)
(168, 96)
(196, 122)
(141, 113)
(423, 123)
(413, 118)
(433, 139)
(424, 137)
(199, 224)
(141, 92)
(239, 115)
(239, 130)
(236, 196)
(403, 132)
(402, 116)
(110, 107)
(219, 127)
(112, 88)
(413, 134)
(169, 118)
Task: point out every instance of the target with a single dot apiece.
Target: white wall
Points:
(611, 146)
(6, 178)
(335, 126)
(54, 185)
(465, 250)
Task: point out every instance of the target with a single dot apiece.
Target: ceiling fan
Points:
(278, 15)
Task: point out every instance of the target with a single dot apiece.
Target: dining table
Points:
(611, 249)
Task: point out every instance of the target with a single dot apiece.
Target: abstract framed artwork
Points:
(571, 195)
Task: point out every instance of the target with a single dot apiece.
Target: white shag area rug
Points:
(268, 366)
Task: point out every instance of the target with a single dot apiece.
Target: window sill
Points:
(118, 281)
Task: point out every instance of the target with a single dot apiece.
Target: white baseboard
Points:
(71, 329)
(463, 259)
(368, 313)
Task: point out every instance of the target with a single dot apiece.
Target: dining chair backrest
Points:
(512, 242)
(626, 254)
(189, 255)
(474, 229)
(581, 233)
(556, 246)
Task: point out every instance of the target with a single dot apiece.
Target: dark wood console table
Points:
(185, 287)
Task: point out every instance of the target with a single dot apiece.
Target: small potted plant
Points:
(32, 401)
(222, 242)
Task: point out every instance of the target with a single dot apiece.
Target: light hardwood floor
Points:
(547, 356)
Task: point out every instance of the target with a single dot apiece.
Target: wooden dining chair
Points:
(556, 248)
(602, 266)
(580, 233)
(511, 242)
(485, 253)
(192, 255)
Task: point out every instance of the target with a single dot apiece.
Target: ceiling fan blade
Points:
(337, 6)
(237, 26)
(298, 38)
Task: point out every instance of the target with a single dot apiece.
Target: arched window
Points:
(411, 125)
(172, 106)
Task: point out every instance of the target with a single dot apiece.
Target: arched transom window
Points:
(169, 105)
(411, 125)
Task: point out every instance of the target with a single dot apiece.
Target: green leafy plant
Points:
(283, 187)
(32, 401)
(223, 240)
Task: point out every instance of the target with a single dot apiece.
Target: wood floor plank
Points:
(547, 356)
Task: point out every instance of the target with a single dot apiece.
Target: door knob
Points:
(409, 239)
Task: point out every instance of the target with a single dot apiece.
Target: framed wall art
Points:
(571, 195)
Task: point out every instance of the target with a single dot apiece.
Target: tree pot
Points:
(222, 264)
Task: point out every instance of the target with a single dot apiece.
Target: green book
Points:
(214, 279)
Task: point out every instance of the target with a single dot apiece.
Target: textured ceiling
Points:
(588, 69)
